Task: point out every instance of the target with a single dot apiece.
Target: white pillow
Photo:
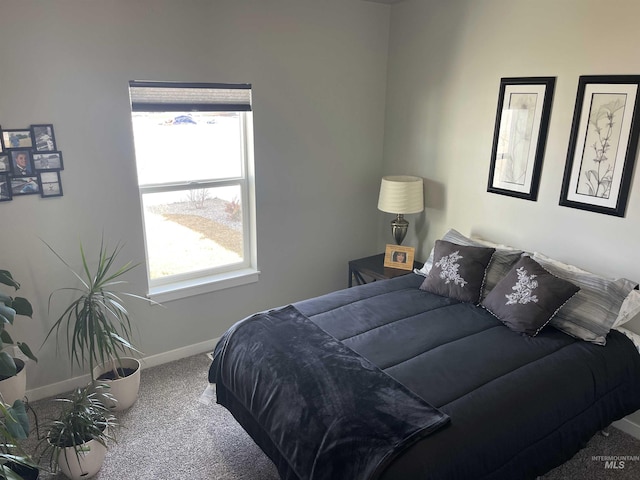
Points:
(629, 309)
(489, 243)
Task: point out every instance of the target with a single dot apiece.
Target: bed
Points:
(390, 380)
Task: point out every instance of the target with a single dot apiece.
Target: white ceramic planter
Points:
(14, 388)
(124, 390)
(86, 464)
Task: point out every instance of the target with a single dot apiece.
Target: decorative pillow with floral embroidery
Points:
(501, 262)
(528, 297)
(458, 271)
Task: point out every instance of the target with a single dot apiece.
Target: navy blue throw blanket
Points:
(331, 413)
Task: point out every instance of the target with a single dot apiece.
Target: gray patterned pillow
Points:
(458, 271)
(528, 297)
(501, 262)
(594, 310)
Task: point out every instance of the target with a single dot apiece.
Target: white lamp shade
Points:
(401, 194)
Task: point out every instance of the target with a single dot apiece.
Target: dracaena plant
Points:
(96, 323)
(9, 308)
(82, 418)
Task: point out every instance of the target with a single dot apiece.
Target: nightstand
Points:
(373, 268)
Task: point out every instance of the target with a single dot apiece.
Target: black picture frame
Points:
(604, 136)
(2, 149)
(44, 139)
(50, 183)
(520, 136)
(47, 160)
(5, 163)
(14, 155)
(5, 187)
(17, 138)
(25, 185)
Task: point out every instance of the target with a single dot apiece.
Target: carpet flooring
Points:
(170, 434)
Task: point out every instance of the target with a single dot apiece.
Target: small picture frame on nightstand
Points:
(397, 256)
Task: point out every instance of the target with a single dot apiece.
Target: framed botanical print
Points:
(520, 135)
(603, 144)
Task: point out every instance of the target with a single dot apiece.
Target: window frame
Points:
(196, 282)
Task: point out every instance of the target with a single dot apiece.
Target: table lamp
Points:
(401, 194)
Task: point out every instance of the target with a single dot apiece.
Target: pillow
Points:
(528, 297)
(629, 309)
(595, 309)
(458, 271)
(489, 243)
(452, 236)
(501, 262)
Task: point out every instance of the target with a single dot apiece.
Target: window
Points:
(194, 156)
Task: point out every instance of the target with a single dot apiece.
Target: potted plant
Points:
(15, 464)
(76, 440)
(13, 375)
(98, 327)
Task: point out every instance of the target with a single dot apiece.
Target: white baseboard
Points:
(628, 426)
(59, 388)
(178, 353)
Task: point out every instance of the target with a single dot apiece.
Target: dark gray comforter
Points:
(294, 374)
(519, 406)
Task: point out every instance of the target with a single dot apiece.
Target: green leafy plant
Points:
(82, 418)
(14, 426)
(96, 323)
(9, 308)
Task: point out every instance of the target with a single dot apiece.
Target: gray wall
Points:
(446, 59)
(318, 71)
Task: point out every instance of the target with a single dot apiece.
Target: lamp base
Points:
(399, 227)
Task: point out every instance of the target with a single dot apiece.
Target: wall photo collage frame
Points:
(30, 163)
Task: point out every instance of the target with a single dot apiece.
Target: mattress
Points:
(518, 405)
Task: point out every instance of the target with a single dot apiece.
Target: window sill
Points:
(189, 288)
